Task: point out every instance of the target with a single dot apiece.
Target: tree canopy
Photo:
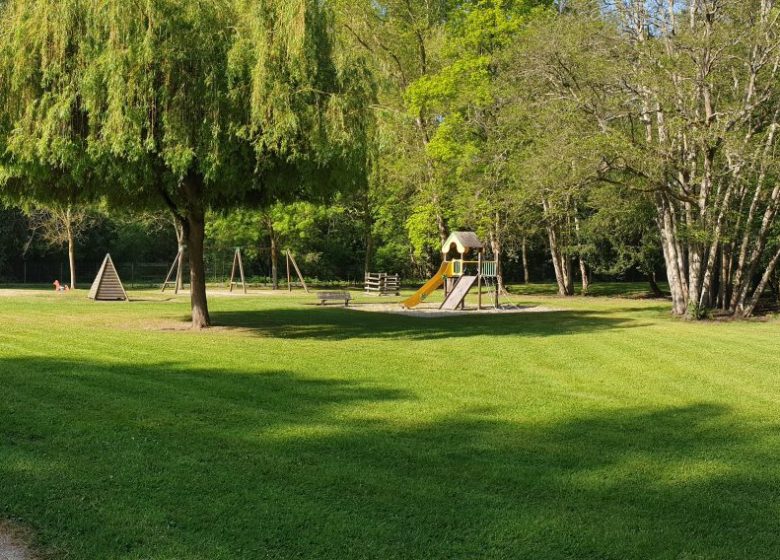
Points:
(198, 104)
(607, 138)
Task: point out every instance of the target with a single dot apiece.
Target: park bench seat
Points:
(334, 296)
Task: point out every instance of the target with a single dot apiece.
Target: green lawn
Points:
(603, 430)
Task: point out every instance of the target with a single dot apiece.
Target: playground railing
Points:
(489, 268)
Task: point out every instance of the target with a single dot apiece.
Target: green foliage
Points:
(421, 227)
(619, 233)
(13, 235)
(244, 229)
(325, 239)
(119, 99)
(470, 145)
(384, 125)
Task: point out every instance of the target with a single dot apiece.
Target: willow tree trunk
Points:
(194, 225)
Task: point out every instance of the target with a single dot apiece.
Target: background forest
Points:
(624, 139)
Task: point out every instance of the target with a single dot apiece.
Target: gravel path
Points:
(11, 545)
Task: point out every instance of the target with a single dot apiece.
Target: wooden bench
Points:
(334, 296)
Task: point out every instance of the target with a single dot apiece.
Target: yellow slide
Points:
(430, 286)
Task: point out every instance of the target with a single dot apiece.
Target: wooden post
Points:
(241, 268)
(232, 274)
(289, 282)
(177, 267)
(297, 271)
(237, 261)
(180, 269)
(170, 273)
(479, 282)
(498, 284)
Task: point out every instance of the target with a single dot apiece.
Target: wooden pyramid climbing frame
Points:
(107, 285)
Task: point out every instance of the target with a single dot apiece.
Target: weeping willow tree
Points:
(197, 104)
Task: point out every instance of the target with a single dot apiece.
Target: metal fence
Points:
(145, 274)
(133, 274)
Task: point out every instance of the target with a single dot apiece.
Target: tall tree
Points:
(684, 97)
(200, 104)
(403, 41)
(61, 225)
(471, 145)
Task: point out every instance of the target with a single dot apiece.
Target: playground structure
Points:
(382, 284)
(238, 263)
(459, 275)
(291, 260)
(176, 268)
(175, 277)
(107, 285)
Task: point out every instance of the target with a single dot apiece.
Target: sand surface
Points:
(431, 310)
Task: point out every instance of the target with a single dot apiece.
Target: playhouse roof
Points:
(464, 241)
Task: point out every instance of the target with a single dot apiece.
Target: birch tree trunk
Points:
(560, 260)
(498, 251)
(580, 258)
(584, 276)
(710, 165)
(71, 248)
(524, 249)
(560, 264)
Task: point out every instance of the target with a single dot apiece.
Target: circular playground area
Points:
(433, 310)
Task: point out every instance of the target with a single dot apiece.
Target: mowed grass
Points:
(603, 429)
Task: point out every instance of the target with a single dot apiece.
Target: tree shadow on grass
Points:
(342, 324)
(151, 462)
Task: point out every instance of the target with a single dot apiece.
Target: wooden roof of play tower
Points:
(464, 242)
